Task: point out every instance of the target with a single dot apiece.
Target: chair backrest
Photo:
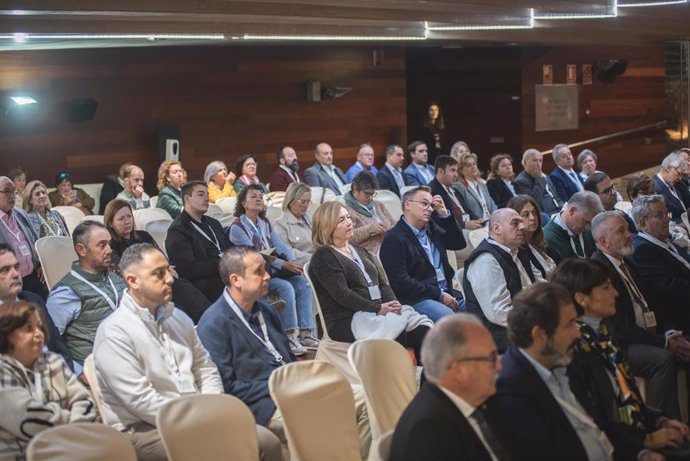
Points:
(388, 379)
(146, 215)
(90, 372)
(73, 216)
(457, 278)
(391, 201)
(385, 445)
(227, 204)
(623, 206)
(154, 201)
(320, 194)
(56, 255)
(214, 209)
(208, 426)
(159, 231)
(81, 442)
(405, 189)
(318, 411)
(305, 271)
(93, 217)
(273, 213)
(274, 198)
(477, 235)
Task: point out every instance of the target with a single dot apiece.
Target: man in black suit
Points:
(668, 183)
(533, 403)
(533, 182)
(391, 176)
(445, 420)
(638, 324)
(447, 175)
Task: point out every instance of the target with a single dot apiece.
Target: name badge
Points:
(24, 250)
(465, 218)
(440, 276)
(185, 385)
(649, 319)
(374, 292)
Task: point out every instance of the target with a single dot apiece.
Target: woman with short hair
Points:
(46, 222)
(294, 225)
(65, 194)
(246, 171)
(219, 181)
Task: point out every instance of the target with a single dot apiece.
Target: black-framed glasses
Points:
(609, 190)
(491, 358)
(424, 203)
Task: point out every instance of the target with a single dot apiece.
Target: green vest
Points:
(81, 332)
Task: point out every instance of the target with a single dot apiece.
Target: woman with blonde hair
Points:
(171, 177)
(45, 221)
(458, 149)
(473, 188)
(294, 225)
(219, 181)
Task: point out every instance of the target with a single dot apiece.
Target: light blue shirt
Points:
(356, 168)
(64, 306)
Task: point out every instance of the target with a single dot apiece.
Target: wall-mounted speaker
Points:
(607, 71)
(168, 142)
(80, 110)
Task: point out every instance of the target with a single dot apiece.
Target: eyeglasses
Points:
(609, 190)
(303, 202)
(426, 205)
(8, 191)
(368, 194)
(660, 215)
(491, 358)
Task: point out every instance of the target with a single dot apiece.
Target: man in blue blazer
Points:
(365, 161)
(414, 256)
(419, 172)
(323, 173)
(667, 182)
(563, 177)
(391, 176)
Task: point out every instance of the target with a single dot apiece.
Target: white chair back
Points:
(73, 216)
(154, 201)
(405, 189)
(207, 427)
(80, 442)
(623, 206)
(159, 231)
(273, 213)
(274, 198)
(457, 278)
(318, 411)
(146, 215)
(90, 372)
(93, 217)
(227, 204)
(320, 195)
(214, 209)
(390, 201)
(347, 188)
(478, 235)
(56, 255)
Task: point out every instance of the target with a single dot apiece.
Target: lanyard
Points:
(257, 230)
(215, 239)
(113, 306)
(47, 224)
(587, 421)
(473, 187)
(19, 230)
(360, 264)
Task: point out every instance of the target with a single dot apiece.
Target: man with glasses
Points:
(414, 255)
(667, 182)
(446, 420)
(600, 183)
(365, 161)
(16, 230)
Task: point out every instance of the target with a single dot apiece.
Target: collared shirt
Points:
(558, 219)
(454, 198)
(21, 244)
(466, 409)
(330, 171)
(666, 246)
(432, 253)
(425, 171)
(509, 185)
(397, 174)
(293, 174)
(137, 203)
(671, 189)
(637, 308)
(573, 178)
(588, 433)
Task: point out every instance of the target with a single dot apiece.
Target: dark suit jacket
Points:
(55, 342)
(243, 362)
(499, 192)
(111, 187)
(438, 189)
(666, 280)
(316, 176)
(674, 206)
(536, 427)
(387, 180)
(433, 428)
(622, 325)
(564, 185)
(410, 273)
(280, 180)
(536, 188)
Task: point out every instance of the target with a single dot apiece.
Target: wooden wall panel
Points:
(227, 101)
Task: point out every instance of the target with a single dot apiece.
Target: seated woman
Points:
(473, 189)
(37, 389)
(294, 225)
(500, 183)
(246, 170)
(251, 228)
(600, 375)
(353, 291)
(18, 177)
(171, 177)
(219, 181)
(119, 221)
(67, 195)
(45, 221)
(370, 219)
(535, 247)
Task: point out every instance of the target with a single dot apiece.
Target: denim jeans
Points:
(298, 302)
(435, 310)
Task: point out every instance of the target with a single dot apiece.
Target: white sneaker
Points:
(309, 341)
(296, 346)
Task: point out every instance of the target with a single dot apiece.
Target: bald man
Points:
(323, 173)
(494, 274)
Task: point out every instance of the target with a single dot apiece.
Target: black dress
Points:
(120, 245)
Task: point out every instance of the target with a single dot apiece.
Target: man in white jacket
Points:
(147, 353)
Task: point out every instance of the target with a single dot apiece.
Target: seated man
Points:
(446, 176)
(414, 255)
(287, 171)
(134, 188)
(88, 294)
(391, 176)
(194, 244)
(533, 182)
(445, 420)
(112, 186)
(639, 325)
(323, 173)
(365, 161)
(563, 177)
(534, 404)
(568, 232)
(418, 172)
(600, 183)
(245, 338)
(668, 182)
(494, 274)
(148, 353)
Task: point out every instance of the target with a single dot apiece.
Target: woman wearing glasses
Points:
(370, 219)
(294, 225)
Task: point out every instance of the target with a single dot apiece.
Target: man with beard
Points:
(365, 161)
(287, 171)
(542, 418)
(88, 294)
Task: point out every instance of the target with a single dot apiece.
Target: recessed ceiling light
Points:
(23, 100)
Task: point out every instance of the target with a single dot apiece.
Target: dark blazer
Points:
(674, 206)
(111, 187)
(438, 189)
(316, 176)
(536, 427)
(242, 360)
(433, 428)
(387, 180)
(280, 180)
(564, 185)
(499, 192)
(55, 342)
(622, 325)
(536, 188)
(559, 242)
(666, 280)
(410, 273)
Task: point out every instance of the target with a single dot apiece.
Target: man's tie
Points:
(576, 180)
(489, 436)
(579, 251)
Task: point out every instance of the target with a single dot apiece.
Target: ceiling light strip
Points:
(337, 38)
(659, 3)
(26, 36)
(481, 27)
(566, 16)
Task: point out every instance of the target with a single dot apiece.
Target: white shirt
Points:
(666, 246)
(330, 170)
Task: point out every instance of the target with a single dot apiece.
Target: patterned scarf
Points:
(629, 401)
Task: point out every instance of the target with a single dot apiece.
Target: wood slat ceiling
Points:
(338, 17)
